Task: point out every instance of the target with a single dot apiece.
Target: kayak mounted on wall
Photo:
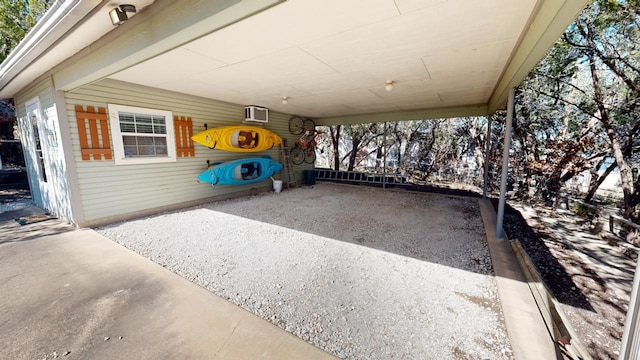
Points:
(243, 171)
(242, 138)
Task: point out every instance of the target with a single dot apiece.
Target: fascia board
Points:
(424, 114)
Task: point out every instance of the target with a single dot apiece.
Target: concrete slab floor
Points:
(77, 295)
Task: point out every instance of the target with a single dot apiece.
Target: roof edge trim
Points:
(53, 26)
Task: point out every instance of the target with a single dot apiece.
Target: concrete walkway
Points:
(73, 294)
(530, 338)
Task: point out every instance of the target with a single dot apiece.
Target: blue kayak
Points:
(243, 171)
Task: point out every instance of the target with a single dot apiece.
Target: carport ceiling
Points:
(332, 58)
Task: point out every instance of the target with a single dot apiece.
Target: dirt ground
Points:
(590, 277)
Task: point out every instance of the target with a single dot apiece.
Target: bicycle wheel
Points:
(309, 127)
(310, 155)
(296, 125)
(297, 155)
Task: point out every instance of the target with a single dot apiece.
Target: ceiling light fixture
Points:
(285, 100)
(389, 85)
(119, 15)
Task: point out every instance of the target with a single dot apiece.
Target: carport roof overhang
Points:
(330, 58)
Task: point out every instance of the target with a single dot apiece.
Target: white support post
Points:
(505, 161)
(486, 157)
(630, 348)
(384, 159)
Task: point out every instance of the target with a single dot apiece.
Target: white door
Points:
(33, 139)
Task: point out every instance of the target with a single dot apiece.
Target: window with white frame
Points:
(141, 135)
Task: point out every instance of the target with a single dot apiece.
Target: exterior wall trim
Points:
(71, 173)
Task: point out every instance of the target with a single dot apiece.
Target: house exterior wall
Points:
(111, 192)
(54, 194)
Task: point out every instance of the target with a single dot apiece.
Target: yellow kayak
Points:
(241, 138)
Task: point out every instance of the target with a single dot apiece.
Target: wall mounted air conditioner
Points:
(256, 114)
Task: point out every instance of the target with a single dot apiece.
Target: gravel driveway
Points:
(363, 273)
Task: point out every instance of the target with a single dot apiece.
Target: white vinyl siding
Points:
(109, 191)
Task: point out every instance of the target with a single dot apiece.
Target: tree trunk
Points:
(628, 206)
(335, 141)
(379, 157)
(355, 143)
(597, 181)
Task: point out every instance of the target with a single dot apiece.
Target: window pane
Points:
(129, 140)
(130, 146)
(144, 128)
(145, 146)
(143, 124)
(161, 146)
(126, 122)
(128, 128)
(144, 119)
(139, 146)
(126, 117)
(159, 125)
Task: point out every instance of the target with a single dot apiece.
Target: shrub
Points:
(583, 210)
